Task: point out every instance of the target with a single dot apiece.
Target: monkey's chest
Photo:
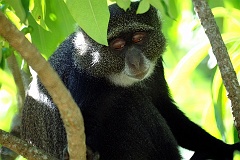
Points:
(126, 127)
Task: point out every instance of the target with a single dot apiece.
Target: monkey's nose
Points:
(134, 63)
(134, 59)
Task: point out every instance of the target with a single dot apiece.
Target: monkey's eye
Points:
(138, 37)
(118, 44)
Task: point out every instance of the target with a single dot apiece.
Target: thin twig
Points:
(13, 65)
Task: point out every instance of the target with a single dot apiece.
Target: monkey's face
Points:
(135, 44)
(132, 48)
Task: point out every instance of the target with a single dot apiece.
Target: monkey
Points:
(122, 94)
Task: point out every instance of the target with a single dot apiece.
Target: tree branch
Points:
(220, 51)
(22, 147)
(70, 113)
(13, 65)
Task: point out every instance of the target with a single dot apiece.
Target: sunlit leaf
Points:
(14, 19)
(229, 13)
(234, 47)
(92, 16)
(193, 58)
(188, 63)
(7, 80)
(18, 7)
(236, 155)
(124, 4)
(219, 109)
(8, 107)
(231, 37)
(38, 10)
(236, 62)
(25, 4)
(20, 158)
(8, 99)
(160, 4)
(143, 7)
(217, 83)
(209, 122)
(60, 23)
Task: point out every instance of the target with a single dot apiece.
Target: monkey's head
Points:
(135, 44)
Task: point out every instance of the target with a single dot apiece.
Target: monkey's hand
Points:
(90, 154)
(222, 154)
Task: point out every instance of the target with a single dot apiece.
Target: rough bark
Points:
(220, 51)
(23, 148)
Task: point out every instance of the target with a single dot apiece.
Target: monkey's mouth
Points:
(140, 75)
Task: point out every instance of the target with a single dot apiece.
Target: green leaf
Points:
(219, 104)
(124, 4)
(18, 7)
(38, 10)
(60, 23)
(25, 4)
(209, 122)
(7, 79)
(188, 64)
(165, 7)
(92, 16)
(159, 4)
(3, 7)
(26, 30)
(193, 58)
(6, 52)
(143, 7)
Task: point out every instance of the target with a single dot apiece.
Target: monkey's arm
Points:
(188, 134)
(191, 136)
